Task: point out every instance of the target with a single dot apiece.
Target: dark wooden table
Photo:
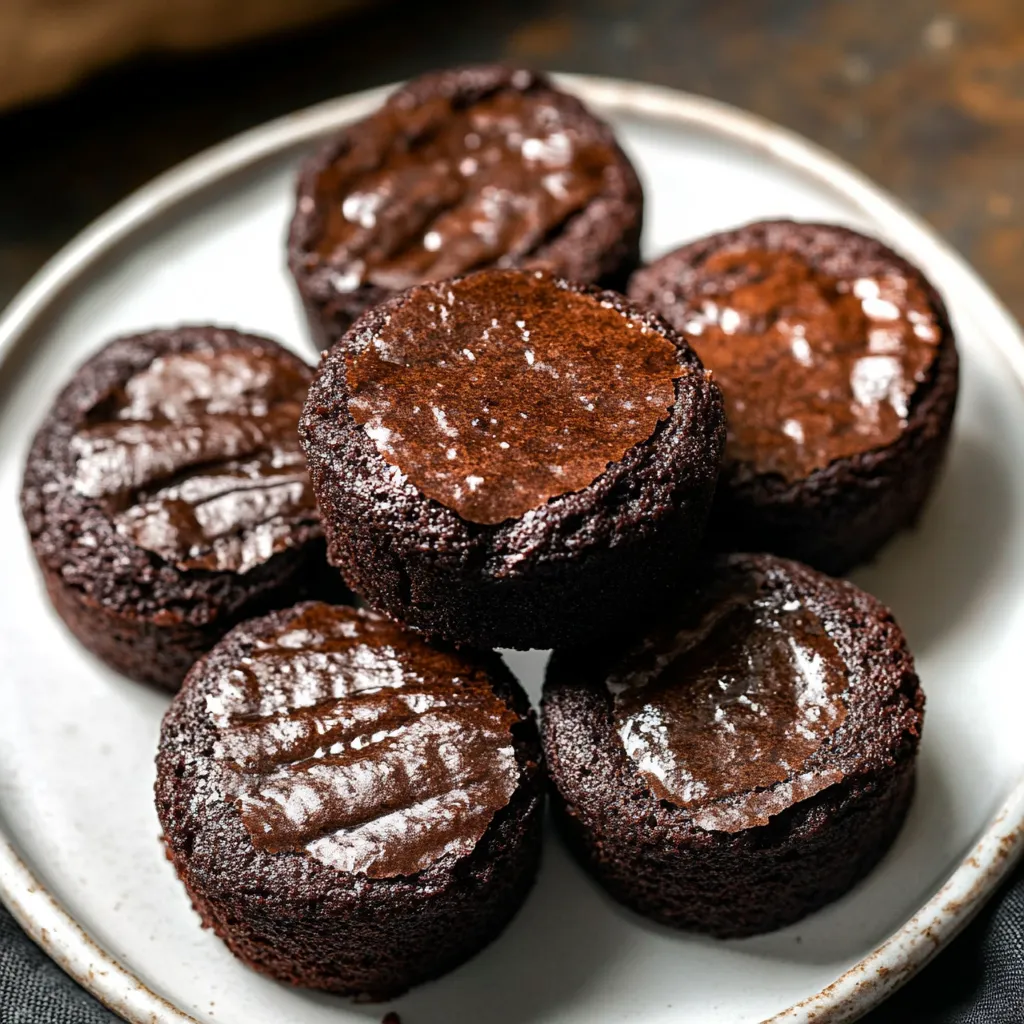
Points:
(926, 97)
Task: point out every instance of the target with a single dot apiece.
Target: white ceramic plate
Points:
(80, 863)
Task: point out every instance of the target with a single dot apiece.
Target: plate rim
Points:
(937, 921)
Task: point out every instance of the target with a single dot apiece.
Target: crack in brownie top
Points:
(433, 190)
(723, 715)
(196, 457)
(344, 736)
(812, 368)
(500, 391)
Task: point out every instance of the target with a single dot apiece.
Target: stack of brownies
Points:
(517, 436)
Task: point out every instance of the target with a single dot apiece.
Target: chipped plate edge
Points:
(907, 950)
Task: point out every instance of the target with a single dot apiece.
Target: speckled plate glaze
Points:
(80, 862)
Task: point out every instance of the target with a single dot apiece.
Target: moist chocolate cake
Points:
(167, 498)
(512, 460)
(461, 170)
(838, 366)
(349, 808)
(748, 759)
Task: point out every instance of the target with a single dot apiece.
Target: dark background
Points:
(925, 97)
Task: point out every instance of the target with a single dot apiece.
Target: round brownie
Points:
(460, 170)
(349, 808)
(838, 367)
(167, 498)
(745, 761)
(511, 460)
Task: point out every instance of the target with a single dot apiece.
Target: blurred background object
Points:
(46, 45)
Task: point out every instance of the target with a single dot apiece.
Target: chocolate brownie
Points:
(838, 367)
(167, 498)
(512, 460)
(349, 808)
(461, 170)
(745, 761)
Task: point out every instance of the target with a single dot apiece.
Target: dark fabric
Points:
(34, 990)
(979, 979)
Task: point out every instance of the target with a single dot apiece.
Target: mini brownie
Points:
(839, 371)
(460, 170)
(747, 760)
(511, 460)
(167, 498)
(349, 808)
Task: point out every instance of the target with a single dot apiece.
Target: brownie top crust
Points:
(496, 392)
(196, 457)
(733, 704)
(766, 685)
(818, 354)
(434, 185)
(168, 459)
(339, 734)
